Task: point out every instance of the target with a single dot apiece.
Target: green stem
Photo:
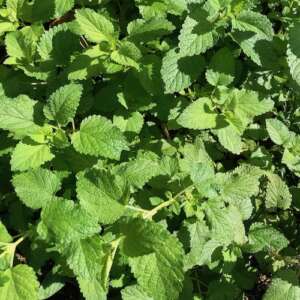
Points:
(149, 214)
(13, 246)
(110, 259)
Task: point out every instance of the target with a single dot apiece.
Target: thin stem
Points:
(73, 125)
(137, 208)
(110, 259)
(149, 214)
(12, 248)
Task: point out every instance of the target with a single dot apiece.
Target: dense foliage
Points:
(150, 149)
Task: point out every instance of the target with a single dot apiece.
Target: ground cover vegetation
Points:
(149, 149)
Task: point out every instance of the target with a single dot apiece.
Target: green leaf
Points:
(21, 44)
(155, 257)
(92, 289)
(226, 223)
(278, 132)
(293, 53)
(140, 170)
(281, 289)
(58, 44)
(63, 6)
(193, 154)
(265, 238)
(5, 237)
(221, 69)
(98, 137)
(230, 139)
(37, 187)
(199, 115)
(30, 156)
(198, 234)
(141, 30)
(239, 185)
(128, 54)
(131, 123)
(102, 194)
(134, 292)
(63, 103)
(255, 22)
(18, 115)
(19, 283)
(278, 194)
(85, 257)
(95, 27)
(292, 160)
(197, 34)
(63, 221)
(179, 72)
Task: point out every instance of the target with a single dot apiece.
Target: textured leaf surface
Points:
(221, 69)
(96, 27)
(63, 103)
(98, 137)
(178, 71)
(199, 115)
(280, 289)
(18, 115)
(265, 237)
(253, 21)
(134, 292)
(278, 194)
(226, 223)
(85, 257)
(139, 171)
(37, 187)
(155, 258)
(63, 221)
(102, 194)
(278, 132)
(197, 34)
(30, 156)
(15, 287)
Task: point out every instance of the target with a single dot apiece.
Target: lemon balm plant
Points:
(149, 149)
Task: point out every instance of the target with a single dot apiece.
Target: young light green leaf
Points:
(141, 30)
(155, 257)
(30, 156)
(98, 137)
(92, 289)
(293, 53)
(278, 132)
(255, 22)
(63, 221)
(85, 257)
(102, 194)
(63, 103)
(134, 292)
(278, 194)
(230, 139)
(18, 115)
(37, 187)
(281, 289)
(139, 171)
(226, 223)
(128, 55)
(19, 283)
(265, 238)
(221, 70)
(178, 71)
(95, 27)
(199, 115)
(197, 34)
